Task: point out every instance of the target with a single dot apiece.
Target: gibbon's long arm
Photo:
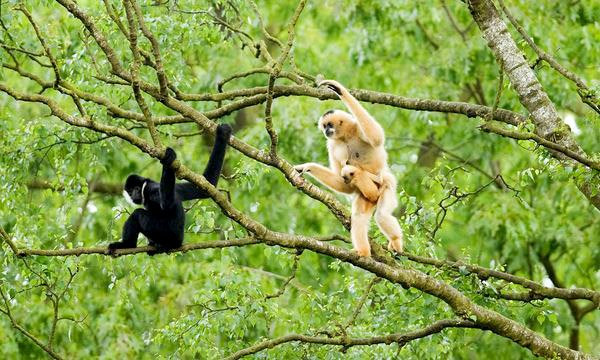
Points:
(167, 186)
(370, 131)
(212, 172)
(326, 177)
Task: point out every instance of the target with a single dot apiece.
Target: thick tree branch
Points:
(587, 95)
(548, 124)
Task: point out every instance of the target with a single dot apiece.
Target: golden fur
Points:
(368, 184)
(356, 139)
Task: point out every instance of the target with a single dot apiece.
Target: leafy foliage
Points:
(211, 303)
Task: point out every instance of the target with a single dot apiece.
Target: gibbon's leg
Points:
(362, 209)
(139, 221)
(386, 222)
(370, 129)
(326, 176)
(212, 172)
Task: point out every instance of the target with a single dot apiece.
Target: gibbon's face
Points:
(133, 189)
(336, 124)
(348, 173)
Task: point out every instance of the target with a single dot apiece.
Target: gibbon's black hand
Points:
(224, 131)
(169, 157)
(330, 86)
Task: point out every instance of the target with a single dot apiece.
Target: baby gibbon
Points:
(358, 140)
(368, 184)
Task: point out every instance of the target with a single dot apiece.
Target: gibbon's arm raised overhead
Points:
(212, 172)
(167, 181)
(369, 129)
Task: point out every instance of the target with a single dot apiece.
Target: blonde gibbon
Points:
(357, 139)
(368, 184)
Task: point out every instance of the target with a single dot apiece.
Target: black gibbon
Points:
(162, 219)
(357, 139)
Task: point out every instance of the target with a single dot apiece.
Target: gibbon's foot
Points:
(223, 131)
(364, 251)
(396, 245)
(303, 168)
(112, 247)
(169, 157)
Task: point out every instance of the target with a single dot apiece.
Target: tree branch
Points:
(142, 249)
(485, 273)
(97, 187)
(548, 124)
(587, 95)
(22, 330)
(401, 338)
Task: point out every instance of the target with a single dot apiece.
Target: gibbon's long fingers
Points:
(386, 222)
(327, 177)
(334, 89)
(362, 209)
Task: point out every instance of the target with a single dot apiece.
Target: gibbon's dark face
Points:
(336, 124)
(133, 189)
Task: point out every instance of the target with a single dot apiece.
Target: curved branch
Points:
(374, 97)
(400, 338)
(541, 291)
(6, 311)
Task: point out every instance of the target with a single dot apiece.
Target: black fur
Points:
(327, 113)
(162, 219)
